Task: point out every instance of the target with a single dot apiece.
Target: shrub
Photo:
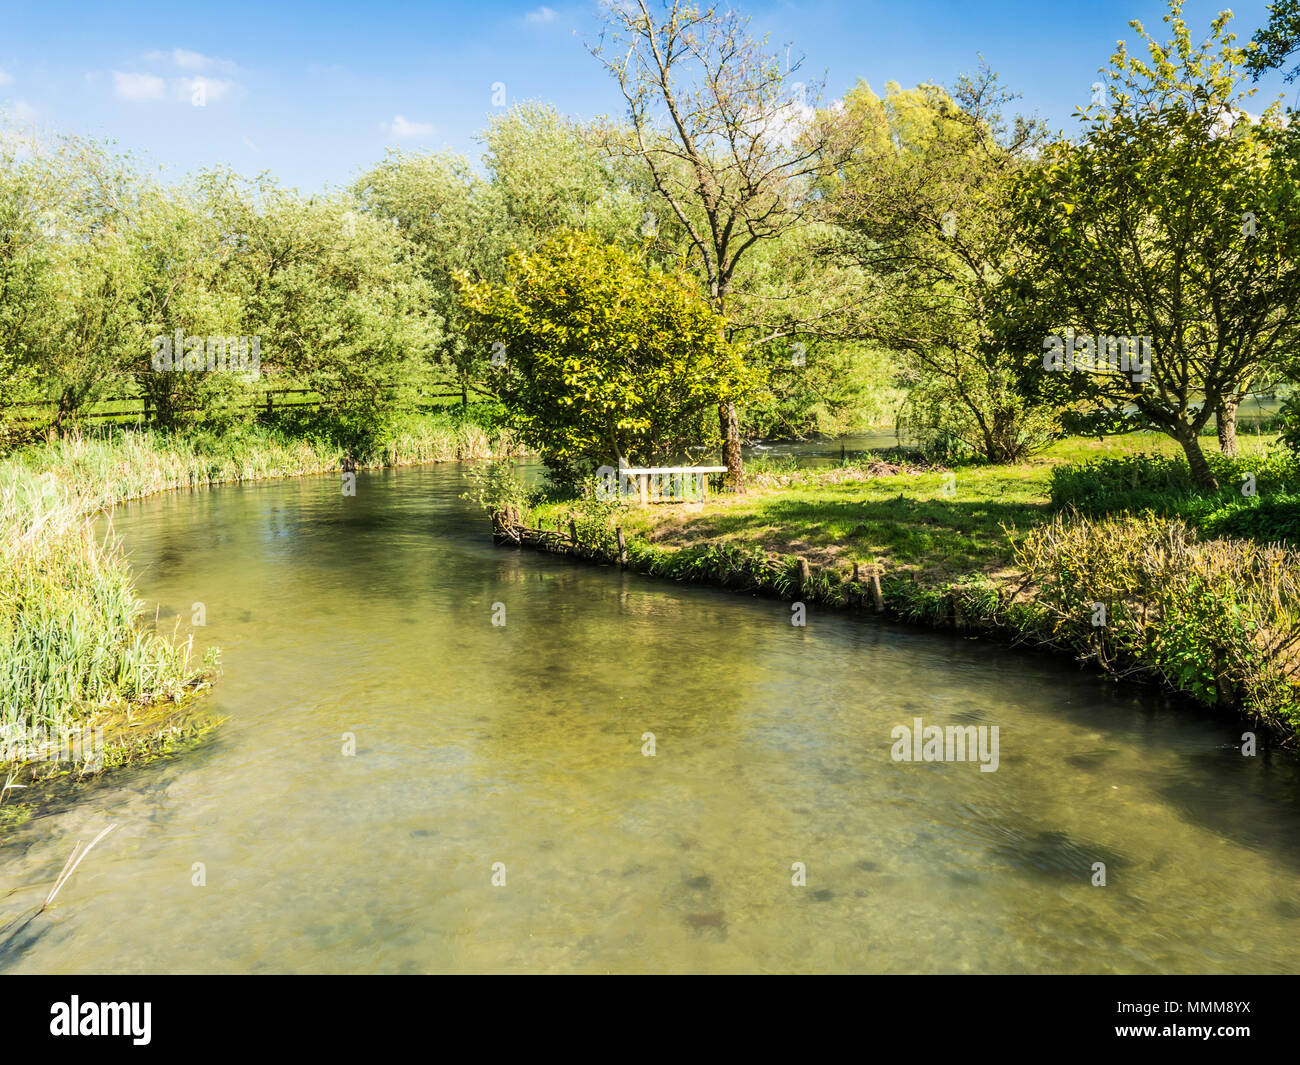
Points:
(1216, 619)
(1164, 484)
(1266, 519)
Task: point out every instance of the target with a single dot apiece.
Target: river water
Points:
(522, 744)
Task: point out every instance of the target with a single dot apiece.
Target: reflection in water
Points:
(521, 744)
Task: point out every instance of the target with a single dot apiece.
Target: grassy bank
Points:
(75, 650)
(938, 523)
(987, 548)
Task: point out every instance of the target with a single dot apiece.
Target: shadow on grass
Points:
(922, 533)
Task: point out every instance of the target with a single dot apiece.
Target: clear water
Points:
(522, 744)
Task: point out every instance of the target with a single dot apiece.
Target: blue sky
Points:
(314, 93)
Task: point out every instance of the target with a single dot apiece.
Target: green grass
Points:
(908, 520)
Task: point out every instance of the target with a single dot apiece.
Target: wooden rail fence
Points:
(140, 408)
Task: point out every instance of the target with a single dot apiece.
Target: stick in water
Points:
(70, 866)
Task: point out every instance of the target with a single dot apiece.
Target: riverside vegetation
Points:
(77, 652)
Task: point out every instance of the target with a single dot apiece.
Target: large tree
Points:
(1176, 217)
(922, 204)
(603, 361)
(725, 132)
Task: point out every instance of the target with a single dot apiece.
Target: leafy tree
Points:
(551, 173)
(340, 306)
(187, 244)
(1177, 217)
(455, 221)
(603, 361)
(726, 136)
(1276, 42)
(922, 204)
(67, 316)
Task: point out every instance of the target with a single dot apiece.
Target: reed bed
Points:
(74, 639)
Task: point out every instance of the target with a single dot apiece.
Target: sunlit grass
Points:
(939, 523)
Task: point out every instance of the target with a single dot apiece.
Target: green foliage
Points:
(1270, 519)
(552, 174)
(1218, 619)
(828, 388)
(453, 221)
(1175, 217)
(496, 488)
(1274, 43)
(101, 265)
(923, 206)
(602, 359)
(1165, 485)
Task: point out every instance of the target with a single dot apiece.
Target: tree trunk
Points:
(1202, 475)
(729, 424)
(1225, 418)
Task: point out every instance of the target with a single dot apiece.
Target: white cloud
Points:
(5, 77)
(195, 61)
(402, 127)
(785, 123)
(138, 88)
(250, 144)
(542, 14)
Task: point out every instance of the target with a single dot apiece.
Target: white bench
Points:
(656, 484)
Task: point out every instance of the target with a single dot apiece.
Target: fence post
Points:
(622, 547)
(876, 593)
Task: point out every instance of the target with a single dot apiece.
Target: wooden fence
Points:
(139, 408)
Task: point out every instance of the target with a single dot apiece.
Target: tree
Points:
(922, 204)
(455, 221)
(1274, 43)
(1176, 218)
(188, 244)
(341, 308)
(602, 361)
(551, 173)
(67, 313)
(726, 137)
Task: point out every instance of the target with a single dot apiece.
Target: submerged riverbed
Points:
(514, 751)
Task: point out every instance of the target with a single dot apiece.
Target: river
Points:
(514, 752)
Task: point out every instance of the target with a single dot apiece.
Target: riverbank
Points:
(87, 681)
(1142, 596)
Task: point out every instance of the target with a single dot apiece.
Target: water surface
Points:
(521, 744)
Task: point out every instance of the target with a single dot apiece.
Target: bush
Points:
(1164, 484)
(1266, 519)
(1216, 619)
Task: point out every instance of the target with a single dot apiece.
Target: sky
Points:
(316, 93)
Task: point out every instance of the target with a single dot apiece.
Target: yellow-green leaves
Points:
(604, 359)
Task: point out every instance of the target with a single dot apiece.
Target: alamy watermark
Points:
(80, 745)
(1099, 354)
(953, 743)
(214, 354)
